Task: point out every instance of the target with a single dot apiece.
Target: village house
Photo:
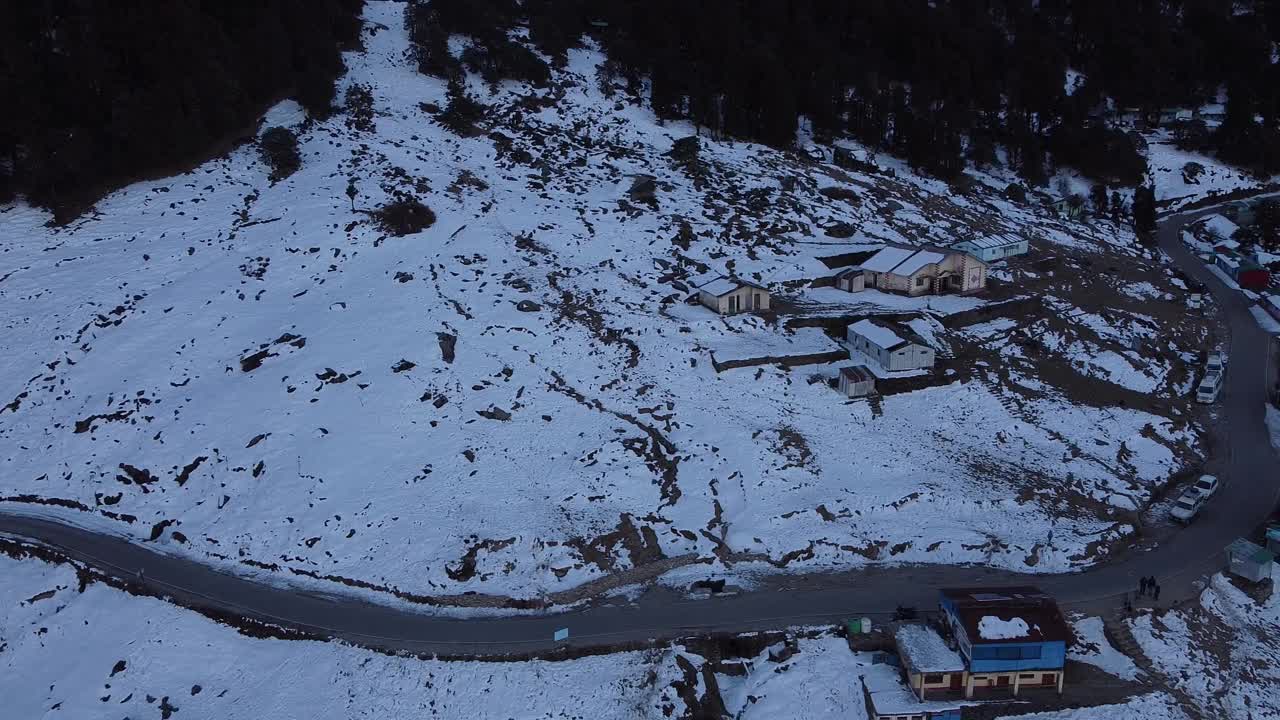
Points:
(894, 346)
(916, 271)
(729, 296)
(1218, 227)
(932, 668)
(888, 699)
(1070, 208)
(1244, 270)
(994, 247)
(1010, 638)
(856, 381)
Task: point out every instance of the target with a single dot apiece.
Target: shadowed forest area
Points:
(941, 83)
(100, 93)
(103, 93)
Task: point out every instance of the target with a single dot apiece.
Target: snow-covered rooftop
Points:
(991, 627)
(890, 697)
(917, 261)
(721, 285)
(877, 334)
(887, 259)
(924, 651)
(1219, 226)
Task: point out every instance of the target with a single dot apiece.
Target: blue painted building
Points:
(1009, 638)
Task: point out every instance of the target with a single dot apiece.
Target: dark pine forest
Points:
(100, 93)
(942, 83)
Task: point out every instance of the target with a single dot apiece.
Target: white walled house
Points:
(895, 347)
(994, 247)
(728, 297)
(916, 271)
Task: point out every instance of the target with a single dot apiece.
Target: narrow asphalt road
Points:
(1242, 456)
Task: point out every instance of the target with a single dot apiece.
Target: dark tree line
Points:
(942, 83)
(99, 93)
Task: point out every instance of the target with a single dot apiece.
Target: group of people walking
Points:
(1147, 587)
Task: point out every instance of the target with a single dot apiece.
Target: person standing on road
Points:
(1155, 592)
(1142, 586)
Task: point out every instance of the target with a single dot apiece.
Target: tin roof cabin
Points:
(894, 346)
(1249, 561)
(1010, 638)
(994, 247)
(729, 296)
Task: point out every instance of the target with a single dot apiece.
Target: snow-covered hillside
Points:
(518, 400)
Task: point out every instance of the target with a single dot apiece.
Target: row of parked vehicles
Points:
(1209, 388)
(1193, 499)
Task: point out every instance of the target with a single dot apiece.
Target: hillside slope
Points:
(517, 400)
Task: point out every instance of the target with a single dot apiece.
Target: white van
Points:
(1214, 363)
(1188, 506)
(1209, 388)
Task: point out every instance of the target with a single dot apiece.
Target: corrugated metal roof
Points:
(992, 241)
(856, 373)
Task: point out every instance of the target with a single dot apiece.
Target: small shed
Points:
(851, 280)
(994, 247)
(1249, 561)
(1273, 538)
(729, 296)
(856, 381)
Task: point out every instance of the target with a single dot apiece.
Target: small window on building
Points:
(1026, 676)
(920, 281)
(933, 679)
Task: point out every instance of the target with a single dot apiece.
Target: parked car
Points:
(1207, 486)
(1209, 388)
(1215, 363)
(1187, 506)
(1195, 301)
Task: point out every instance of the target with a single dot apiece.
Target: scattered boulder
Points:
(644, 189)
(1191, 173)
(403, 365)
(528, 306)
(495, 413)
(839, 193)
(448, 342)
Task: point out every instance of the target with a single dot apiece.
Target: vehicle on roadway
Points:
(1215, 363)
(1208, 389)
(1188, 505)
(1195, 301)
(1207, 485)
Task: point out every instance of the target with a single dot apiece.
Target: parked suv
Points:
(1188, 505)
(1207, 485)
(1209, 388)
(1215, 363)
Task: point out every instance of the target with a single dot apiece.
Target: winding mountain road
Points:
(1242, 456)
